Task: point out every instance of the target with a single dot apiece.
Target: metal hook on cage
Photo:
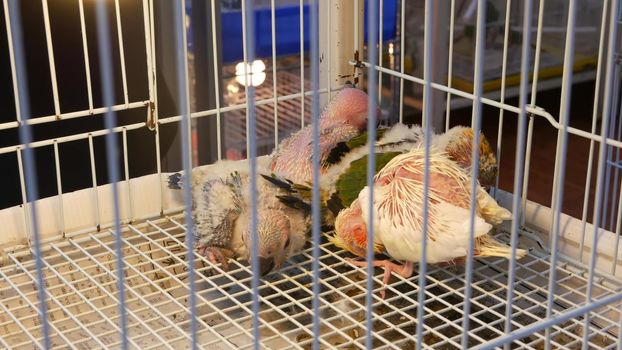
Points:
(530, 114)
(152, 119)
(357, 64)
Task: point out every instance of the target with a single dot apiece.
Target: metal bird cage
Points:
(101, 100)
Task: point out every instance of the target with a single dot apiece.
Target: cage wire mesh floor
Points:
(80, 279)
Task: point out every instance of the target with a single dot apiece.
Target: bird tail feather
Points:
(487, 246)
(490, 210)
(300, 196)
(176, 181)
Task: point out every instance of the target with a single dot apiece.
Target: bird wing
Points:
(354, 178)
(399, 203)
(337, 152)
(399, 210)
(218, 203)
(490, 210)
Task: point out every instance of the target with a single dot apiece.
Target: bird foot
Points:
(405, 270)
(453, 262)
(217, 255)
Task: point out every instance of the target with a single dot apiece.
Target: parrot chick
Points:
(458, 143)
(342, 119)
(398, 217)
(342, 182)
(222, 210)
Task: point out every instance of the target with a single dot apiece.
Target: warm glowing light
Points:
(255, 71)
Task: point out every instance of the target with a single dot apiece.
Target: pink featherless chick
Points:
(342, 119)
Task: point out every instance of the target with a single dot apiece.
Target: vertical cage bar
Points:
(613, 165)
(475, 124)
(217, 81)
(564, 116)
(59, 188)
(616, 169)
(94, 181)
(302, 65)
(152, 112)
(149, 19)
(247, 78)
(121, 50)
(357, 5)
(402, 49)
(248, 31)
(372, 25)
(608, 160)
(380, 48)
(559, 151)
(534, 92)
(608, 99)
(30, 171)
(590, 162)
(504, 66)
(450, 59)
(536, 62)
(315, 204)
(427, 126)
(526, 168)
(50, 48)
(9, 37)
(110, 121)
(126, 165)
(22, 184)
(329, 84)
(183, 99)
(150, 60)
(519, 161)
(439, 55)
(275, 94)
(614, 263)
(85, 50)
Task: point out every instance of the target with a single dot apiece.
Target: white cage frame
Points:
(84, 245)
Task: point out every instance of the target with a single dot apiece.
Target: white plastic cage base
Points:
(80, 278)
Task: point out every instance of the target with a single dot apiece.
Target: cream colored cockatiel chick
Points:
(398, 210)
(222, 216)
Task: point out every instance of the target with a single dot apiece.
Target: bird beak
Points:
(265, 265)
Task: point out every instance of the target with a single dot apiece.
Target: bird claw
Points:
(453, 262)
(405, 270)
(217, 255)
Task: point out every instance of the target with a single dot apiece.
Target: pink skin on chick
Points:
(351, 230)
(343, 118)
(349, 107)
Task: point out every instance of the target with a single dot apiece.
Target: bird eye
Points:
(287, 242)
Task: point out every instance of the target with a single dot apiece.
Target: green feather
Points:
(350, 184)
(361, 140)
(342, 148)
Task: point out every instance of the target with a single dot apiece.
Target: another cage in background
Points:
(59, 244)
